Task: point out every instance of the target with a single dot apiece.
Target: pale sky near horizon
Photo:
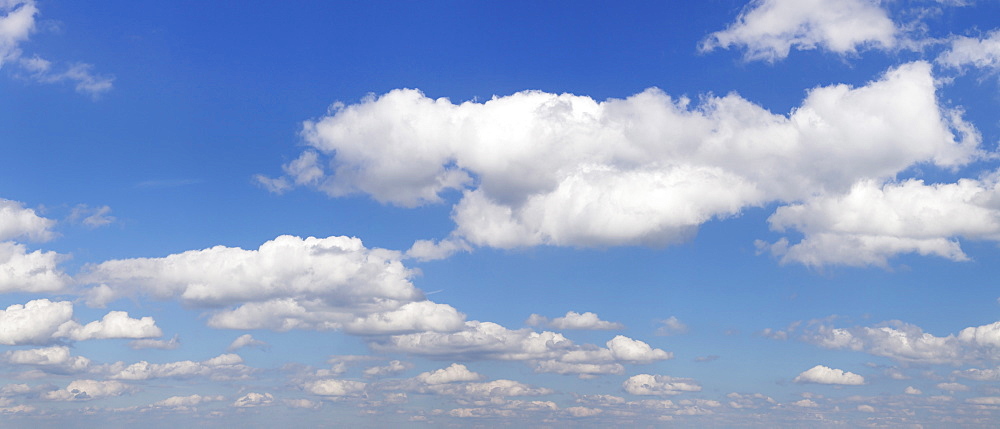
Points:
(774, 213)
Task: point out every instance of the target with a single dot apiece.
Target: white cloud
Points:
(36, 272)
(254, 399)
(874, 222)
(909, 343)
(35, 322)
(19, 222)
(55, 357)
(393, 367)
(490, 389)
(16, 24)
(825, 375)
(115, 324)
(671, 326)
(574, 320)
(80, 74)
(288, 283)
(769, 29)
(981, 53)
(648, 170)
(170, 344)
(185, 401)
(583, 370)
(805, 403)
(453, 373)
(222, 367)
(648, 384)
(336, 388)
(952, 387)
(245, 340)
(85, 390)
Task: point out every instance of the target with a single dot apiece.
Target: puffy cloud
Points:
(769, 29)
(873, 222)
(254, 399)
(648, 384)
(288, 283)
(492, 389)
(826, 375)
(35, 272)
(245, 340)
(648, 170)
(85, 390)
(910, 390)
(35, 322)
(805, 403)
(574, 320)
(908, 343)
(55, 357)
(115, 324)
(15, 220)
(980, 53)
(222, 367)
(454, 373)
(549, 351)
(336, 388)
(16, 24)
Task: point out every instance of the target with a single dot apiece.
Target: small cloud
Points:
(574, 320)
(246, 340)
(671, 326)
(91, 217)
(170, 344)
(825, 375)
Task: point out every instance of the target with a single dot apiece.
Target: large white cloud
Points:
(288, 283)
(874, 222)
(86, 390)
(53, 359)
(454, 373)
(36, 272)
(826, 375)
(537, 168)
(769, 29)
(42, 321)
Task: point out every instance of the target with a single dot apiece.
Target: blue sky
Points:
(772, 213)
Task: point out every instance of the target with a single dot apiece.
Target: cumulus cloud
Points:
(393, 367)
(288, 283)
(874, 222)
(18, 222)
(223, 367)
(825, 375)
(86, 390)
(185, 401)
(647, 170)
(336, 388)
(254, 399)
(42, 321)
(547, 351)
(454, 373)
(35, 272)
(16, 24)
(91, 217)
(648, 384)
(769, 29)
(968, 51)
(905, 342)
(574, 320)
(50, 359)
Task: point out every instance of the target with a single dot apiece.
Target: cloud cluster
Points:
(535, 168)
(902, 341)
(769, 29)
(288, 283)
(648, 384)
(222, 367)
(42, 321)
(968, 51)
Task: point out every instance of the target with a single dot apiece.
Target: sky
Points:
(774, 213)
